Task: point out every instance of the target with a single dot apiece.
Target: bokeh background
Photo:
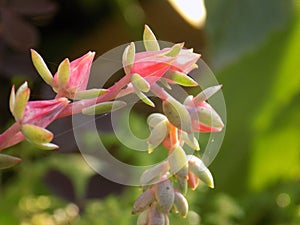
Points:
(253, 47)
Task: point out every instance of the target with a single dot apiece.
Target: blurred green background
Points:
(253, 47)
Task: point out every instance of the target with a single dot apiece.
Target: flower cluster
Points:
(153, 70)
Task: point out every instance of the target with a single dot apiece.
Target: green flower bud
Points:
(155, 118)
(164, 194)
(180, 78)
(41, 67)
(182, 184)
(20, 102)
(143, 218)
(140, 83)
(190, 140)
(143, 201)
(197, 166)
(209, 117)
(152, 175)
(178, 162)
(104, 107)
(7, 161)
(63, 73)
(35, 134)
(177, 114)
(91, 93)
(175, 50)
(155, 216)
(206, 94)
(181, 204)
(158, 134)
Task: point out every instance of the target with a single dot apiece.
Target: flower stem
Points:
(11, 136)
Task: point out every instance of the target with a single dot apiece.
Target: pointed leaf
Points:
(91, 93)
(180, 78)
(41, 67)
(144, 98)
(140, 83)
(104, 107)
(12, 99)
(35, 134)
(164, 82)
(178, 162)
(7, 161)
(150, 41)
(206, 93)
(128, 57)
(153, 174)
(63, 73)
(21, 99)
(190, 140)
(181, 204)
(209, 117)
(175, 50)
(47, 146)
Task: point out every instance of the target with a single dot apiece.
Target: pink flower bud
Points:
(77, 79)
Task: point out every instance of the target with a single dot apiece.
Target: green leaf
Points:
(175, 50)
(144, 98)
(104, 107)
(21, 99)
(206, 94)
(41, 67)
(180, 78)
(91, 93)
(150, 41)
(7, 161)
(140, 83)
(63, 73)
(35, 134)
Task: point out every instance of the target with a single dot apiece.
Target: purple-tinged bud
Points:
(181, 204)
(164, 193)
(157, 135)
(143, 201)
(197, 167)
(143, 218)
(155, 216)
(152, 175)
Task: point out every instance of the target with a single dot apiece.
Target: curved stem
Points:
(11, 136)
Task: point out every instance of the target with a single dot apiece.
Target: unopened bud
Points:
(155, 216)
(63, 73)
(104, 107)
(155, 118)
(7, 161)
(197, 167)
(178, 162)
(41, 67)
(151, 175)
(180, 78)
(143, 218)
(143, 201)
(209, 117)
(158, 134)
(206, 94)
(140, 83)
(150, 42)
(164, 194)
(193, 181)
(181, 204)
(177, 114)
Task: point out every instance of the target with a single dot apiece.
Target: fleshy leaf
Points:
(181, 204)
(140, 83)
(180, 78)
(47, 146)
(144, 98)
(41, 67)
(22, 97)
(104, 107)
(91, 93)
(177, 160)
(12, 99)
(155, 118)
(143, 201)
(175, 50)
(63, 73)
(153, 174)
(35, 134)
(7, 161)
(158, 134)
(206, 93)
(164, 194)
(150, 41)
(177, 114)
(155, 216)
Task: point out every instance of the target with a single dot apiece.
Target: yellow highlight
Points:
(193, 11)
